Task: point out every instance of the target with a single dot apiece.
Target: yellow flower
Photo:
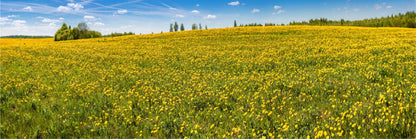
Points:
(211, 126)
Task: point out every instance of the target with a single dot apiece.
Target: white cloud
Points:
(47, 20)
(29, 30)
(195, 12)
(71, 7)
(76, 6)
(7, 20)
(255, 11)
(277, 7)
(98, 24)
(197, 5)
(90, 18)
(279, 12)
(4, 19)
(64, 9)
(210, 17)
(180, 16)
(28, 8)
(170, 7)
(52, 22)
(235, 3)
(380, 6)
(19, 22)
(122, 11)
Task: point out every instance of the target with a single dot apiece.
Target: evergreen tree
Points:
(171, 28)
(182, 27)
(176, 27)
(200, 26)
(235, 23)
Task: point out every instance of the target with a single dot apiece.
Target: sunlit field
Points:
(252, 82)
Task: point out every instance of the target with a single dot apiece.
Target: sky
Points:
(45, 17)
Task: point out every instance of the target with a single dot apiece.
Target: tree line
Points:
(400, 20)
(115, 34)
(80, 32)
(175, 27)
(26, 37)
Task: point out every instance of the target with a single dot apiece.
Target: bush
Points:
(80, 32)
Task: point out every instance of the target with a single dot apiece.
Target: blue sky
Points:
(44, 17)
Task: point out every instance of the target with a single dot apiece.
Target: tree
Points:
(235, 23)
(94, 34)
(182, 27)
(63, 33)
(176, 27)
(194, 27)
(171, 28)
(83, 27)
(206, 27)
(75, 33)
(200, 26)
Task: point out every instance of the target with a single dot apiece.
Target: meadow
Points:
(243, 82)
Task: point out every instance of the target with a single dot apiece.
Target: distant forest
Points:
(26, 36)
(400, 20)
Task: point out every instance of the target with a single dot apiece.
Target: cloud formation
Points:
(210, 16)
(382, 5)
(180, 16)
(28, 8)
(277, 7)
(4, 20)
(52, 22)
(195, 12)
(122, 11)
(70, 8)
(235, 3)
(98, 24)
(18, 22)
(255, 11)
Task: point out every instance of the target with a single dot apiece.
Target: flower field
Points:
(253, 82)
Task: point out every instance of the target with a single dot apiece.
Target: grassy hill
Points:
(283, 81)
